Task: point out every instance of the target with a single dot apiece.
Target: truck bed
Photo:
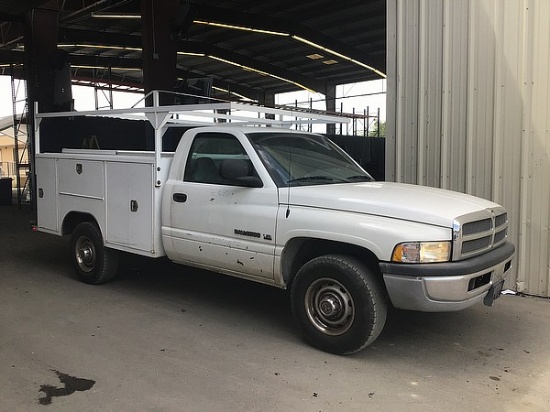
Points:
(116, 187)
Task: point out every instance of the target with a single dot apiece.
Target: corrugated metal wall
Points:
(469, 110)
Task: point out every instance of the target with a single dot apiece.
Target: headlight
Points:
(422, 252)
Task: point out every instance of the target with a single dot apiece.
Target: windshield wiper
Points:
(313, 178)
(360, 178)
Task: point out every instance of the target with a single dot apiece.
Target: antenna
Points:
(288, 180)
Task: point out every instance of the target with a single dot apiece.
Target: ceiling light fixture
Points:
(342, 56)
(230, 26)
(107, 15)
(242, 66)
(233, 93)
(126, 69)
(191, 54)
(298, 38)
(99, 46)
(315, 56)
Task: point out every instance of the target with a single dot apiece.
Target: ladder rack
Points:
(203, 114)
(242, 114)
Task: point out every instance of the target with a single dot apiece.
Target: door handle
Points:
(179, 197)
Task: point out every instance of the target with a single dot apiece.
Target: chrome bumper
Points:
(444, 287)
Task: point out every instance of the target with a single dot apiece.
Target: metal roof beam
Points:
(105, 62)
(100, 38)
(77, 36)
(231, 87)
(250, 63)
(121, 40)
(8, 56)
(82, 60)
(11, 18)
(261, 22)
(329, 43)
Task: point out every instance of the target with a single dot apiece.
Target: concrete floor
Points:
(167, 338)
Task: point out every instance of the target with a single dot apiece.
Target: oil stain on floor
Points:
(71, 384)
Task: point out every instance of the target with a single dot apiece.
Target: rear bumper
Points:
(443, 287)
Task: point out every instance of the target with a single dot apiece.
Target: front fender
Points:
(378, 234)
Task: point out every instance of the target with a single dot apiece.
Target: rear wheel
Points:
(92, 261)
(339, 303)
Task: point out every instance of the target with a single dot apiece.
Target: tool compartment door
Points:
(46, 184)
(129, 202)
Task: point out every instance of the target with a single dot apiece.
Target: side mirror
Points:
(238, 172)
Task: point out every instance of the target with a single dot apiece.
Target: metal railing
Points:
(7, 169)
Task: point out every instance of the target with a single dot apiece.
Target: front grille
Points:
(479, 232)
(501, 220)
(476, 244)
(476, 227)
(500, 236)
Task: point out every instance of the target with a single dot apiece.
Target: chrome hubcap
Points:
(85, 254)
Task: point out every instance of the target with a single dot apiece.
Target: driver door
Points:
(216, 223)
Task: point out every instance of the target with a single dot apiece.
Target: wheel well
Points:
(299, 251)
(73, 219)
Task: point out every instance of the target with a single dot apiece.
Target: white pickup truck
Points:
(273, 205)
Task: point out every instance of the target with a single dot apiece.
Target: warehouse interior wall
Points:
(469, 110)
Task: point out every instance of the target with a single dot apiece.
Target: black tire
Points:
(339, 303)
(92, 261)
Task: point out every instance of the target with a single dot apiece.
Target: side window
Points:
(208, 153)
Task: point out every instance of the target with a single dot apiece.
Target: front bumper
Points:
(444, 287)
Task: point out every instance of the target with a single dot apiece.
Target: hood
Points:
(396, 200)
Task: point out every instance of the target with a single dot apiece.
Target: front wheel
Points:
(339, 303)
(92, 262)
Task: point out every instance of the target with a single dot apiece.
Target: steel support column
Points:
(268, 100)
(330, 98)
(41, 27)
(159, 46)
(41, 32)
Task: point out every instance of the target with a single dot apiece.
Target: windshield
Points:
(295, 159)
